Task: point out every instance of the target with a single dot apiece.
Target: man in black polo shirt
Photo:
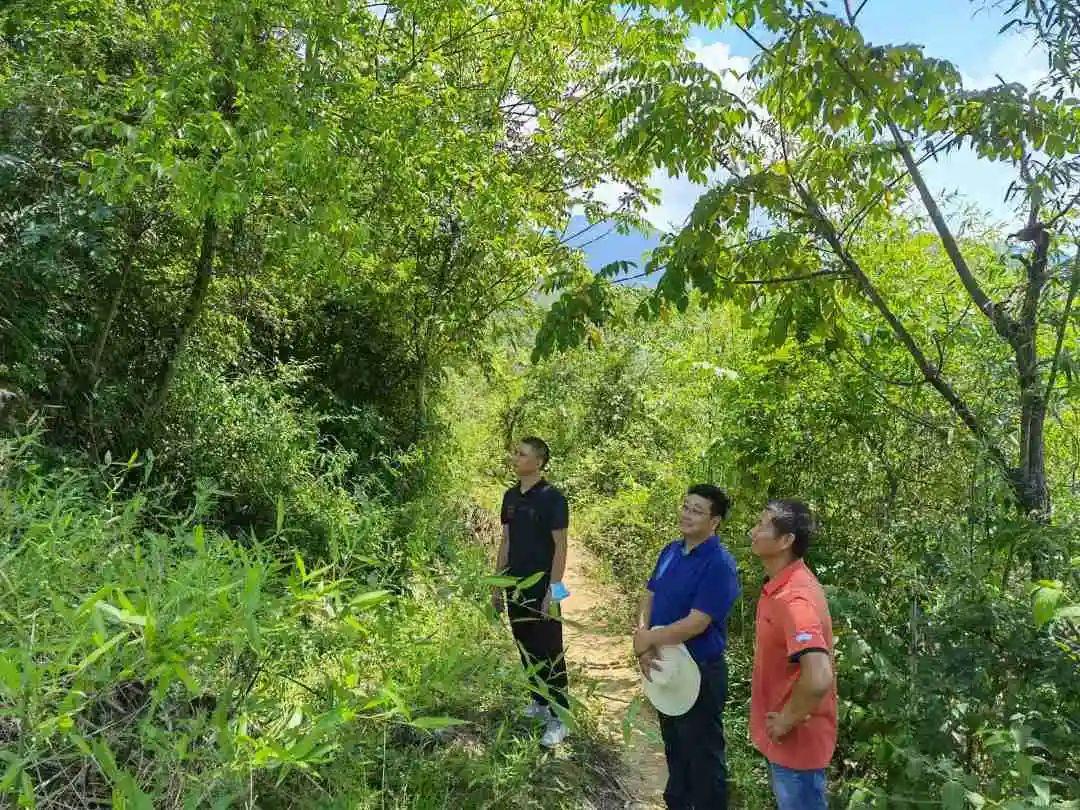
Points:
(535, 517)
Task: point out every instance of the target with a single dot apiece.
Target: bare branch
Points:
(636, 276)
(1063, 212)
(584, 245)
(853, 15)
(830, 274)
(910, 416)
(873, 372)
(1000, 319)
(753, 282)
(754, 39)
(932, 374)
(862, 213)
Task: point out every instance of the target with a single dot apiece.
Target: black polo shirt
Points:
(532, 516)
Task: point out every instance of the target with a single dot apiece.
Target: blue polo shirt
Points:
(705, 579)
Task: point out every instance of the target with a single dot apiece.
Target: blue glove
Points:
(558, 591)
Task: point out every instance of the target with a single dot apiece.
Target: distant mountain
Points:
(610, 246)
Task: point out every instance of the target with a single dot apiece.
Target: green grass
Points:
(149, 660)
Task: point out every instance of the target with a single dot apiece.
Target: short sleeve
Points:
(719, 588)
(662, 563)
(504, 511)
(802, 627)
(560, 512)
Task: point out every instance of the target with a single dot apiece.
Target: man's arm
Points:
(645, 610)
(815, 680)
(558, 566)
(647, 657)
(558, 561)
(502, 560)
(713, 600)
(694, 624)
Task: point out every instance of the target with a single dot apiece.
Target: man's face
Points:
(765, 541)
(696, 518)
(525, 460)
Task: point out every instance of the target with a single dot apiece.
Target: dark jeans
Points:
(540, 642)
(694, 747)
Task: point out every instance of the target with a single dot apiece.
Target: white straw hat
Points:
(676, 681)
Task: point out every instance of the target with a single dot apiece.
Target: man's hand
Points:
(643, 640)
(647, 662)
(498, 600)
(777, 725)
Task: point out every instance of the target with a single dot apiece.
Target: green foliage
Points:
(952, 690)
(280, 257)
(359, 190)
(817, 156)
(148, 659)
(253, 438)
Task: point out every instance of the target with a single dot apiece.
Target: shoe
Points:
(536, 711)
(555, 733)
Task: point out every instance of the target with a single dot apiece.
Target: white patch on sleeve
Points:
(803, 636)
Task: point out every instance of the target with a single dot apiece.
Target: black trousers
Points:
(540, 641)
(694, 747)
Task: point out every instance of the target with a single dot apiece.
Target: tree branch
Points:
(910, 416)
(1073, 285)
(932, 374)
(1001, 321)
(862, 213)
(765, 48)
(831, 274)
(754, 282)
(1050, 223)
(858, 11)
(873, 372)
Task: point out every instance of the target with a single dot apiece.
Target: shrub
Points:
(152, 661)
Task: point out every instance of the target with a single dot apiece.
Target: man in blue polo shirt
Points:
(690, 593)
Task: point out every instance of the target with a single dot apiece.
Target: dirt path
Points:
(611, 680)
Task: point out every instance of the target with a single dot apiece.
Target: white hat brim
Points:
(679, 693)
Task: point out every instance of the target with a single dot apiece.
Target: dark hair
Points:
(793, 517)
(719, 499)
(541, 448)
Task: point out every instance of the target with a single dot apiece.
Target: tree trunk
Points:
(1029, 483)
(127, 260)
(1032, 493)
(204, 271)
(421, 423)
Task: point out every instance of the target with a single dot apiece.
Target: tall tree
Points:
(401, 170)
(828, 142)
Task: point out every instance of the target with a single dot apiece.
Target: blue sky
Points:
(963, 32)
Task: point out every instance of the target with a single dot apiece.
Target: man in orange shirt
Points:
(793, 689)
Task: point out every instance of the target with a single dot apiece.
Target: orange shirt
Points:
(792, 618)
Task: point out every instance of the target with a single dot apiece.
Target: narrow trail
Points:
(604, 659)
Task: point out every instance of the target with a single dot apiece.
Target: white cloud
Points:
(1015, 59)
(677, 194)
(677, 198)
(717, 57)
(610, 194)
